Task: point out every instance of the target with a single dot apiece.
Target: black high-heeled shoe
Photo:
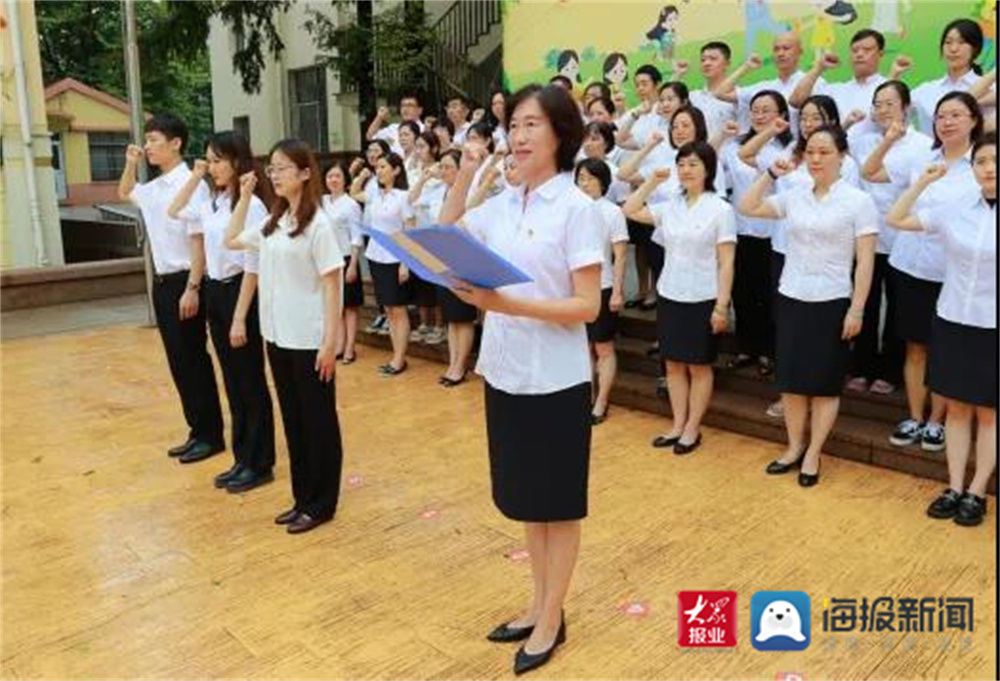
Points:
(525, 661)
(508, 634)
(780, 467)
(687, 448)
(663, 441)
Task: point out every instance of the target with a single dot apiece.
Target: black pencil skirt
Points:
(685, 331)
(604, 328)
(388, 291)
(539, 447)
(812, 359)
(354, 292)
(916, 306)
(453, 309)
(962, 363)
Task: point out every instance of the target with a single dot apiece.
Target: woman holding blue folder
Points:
(534, 355)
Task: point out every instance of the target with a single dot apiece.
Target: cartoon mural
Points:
(604, 41)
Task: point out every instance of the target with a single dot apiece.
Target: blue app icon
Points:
(780, 620)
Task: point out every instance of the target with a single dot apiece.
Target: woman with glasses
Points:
(300, 311)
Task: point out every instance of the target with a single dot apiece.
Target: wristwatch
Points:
(193, 286)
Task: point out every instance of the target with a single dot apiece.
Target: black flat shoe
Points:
(629, 304)
(222, 478)
(348, 359)
(508, 634)
(200, 451)
(452, 382)
(780, 467)
(946, 505)
(971, 510)
(525, 662)
(304, 522)
(598, 419)
(662, 441)
(247, 479)
(647, 305)
(808, 479)
(682, 448)
(389, 370)
(180, 450)
(286, 517)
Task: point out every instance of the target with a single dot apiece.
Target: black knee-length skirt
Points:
(916, 306)
(604, 328)
(453, 309)
(354, 292)
(539, 448)
(424, 293)
(812, 359)
(388, 291)
(962, 362)
(685, 331)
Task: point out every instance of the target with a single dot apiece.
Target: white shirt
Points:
(785, 87)
(821, 237)
(742, 176)
(500, 138)
(168, 238)
(212, 221)
(290, 288)
(665, 190)
(800, 177)
(345, 217)
(390, 134)
(646, 124)
(969, 232)
(689, 236)
(912, 150)
(717, 112)
(458, 139)
(428, 205)
(925, 98)
(852, 95)
(921, 254)
(387, 212)
(613, 231)
(548, 234)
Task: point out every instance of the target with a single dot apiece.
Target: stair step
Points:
(738, 405)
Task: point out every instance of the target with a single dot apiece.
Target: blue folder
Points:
(442, 254)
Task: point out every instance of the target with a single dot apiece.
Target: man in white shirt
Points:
(638, 124)
(457, 110)
(786, 53)
(715, 59)
(410, 109)
(179, 263)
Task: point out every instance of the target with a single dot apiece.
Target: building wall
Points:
(17, 247)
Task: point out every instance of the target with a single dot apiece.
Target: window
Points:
(107, 155)
(307, 101)
(241, 124)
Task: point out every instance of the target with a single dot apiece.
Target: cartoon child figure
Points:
(568, 64)
(757, 19)
(615, 71)
(664, 33)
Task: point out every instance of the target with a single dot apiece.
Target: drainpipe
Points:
(24, 113)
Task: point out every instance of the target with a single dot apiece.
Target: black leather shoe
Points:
(946, 505)
(525, 662)
(971, 510)
(780, 467)
(808, 479)
(681, 448)
(247, 479)
(304, 522)
(662, 441)
(507, 634)
(222, 478)
(286, 517)
(182, 449)
(200, 451)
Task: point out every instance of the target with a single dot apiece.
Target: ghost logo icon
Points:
(780, 620)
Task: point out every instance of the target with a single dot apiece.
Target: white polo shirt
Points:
(800, 177)
(613, 231)
(211, 219)
(968, 227)
(742, 176)
(717, 112)
(386, 211)
(926, 96)
(921, 254)
(548, 233)
(911, 151)
(290, 288)
(168, 238)
(821, 236)
(689, 236)
(345, 217)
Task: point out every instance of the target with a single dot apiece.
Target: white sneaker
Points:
(419, 334)
(776, 410)
(436, 336)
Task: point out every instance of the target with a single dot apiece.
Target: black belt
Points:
(173, 276)
(228, 280)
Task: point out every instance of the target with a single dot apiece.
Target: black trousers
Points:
(312, 430)
(251, 413)
(869, 359)
(753, 297)
(185, 343)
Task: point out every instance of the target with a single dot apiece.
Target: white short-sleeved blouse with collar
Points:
(689, 235)
(614, 230)
(742, 176)
(386, 211)
(345, 217)
(821, 235)
(968, 228)
(290, 287)
(211, 219)
(548, 233)
(800, 177)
